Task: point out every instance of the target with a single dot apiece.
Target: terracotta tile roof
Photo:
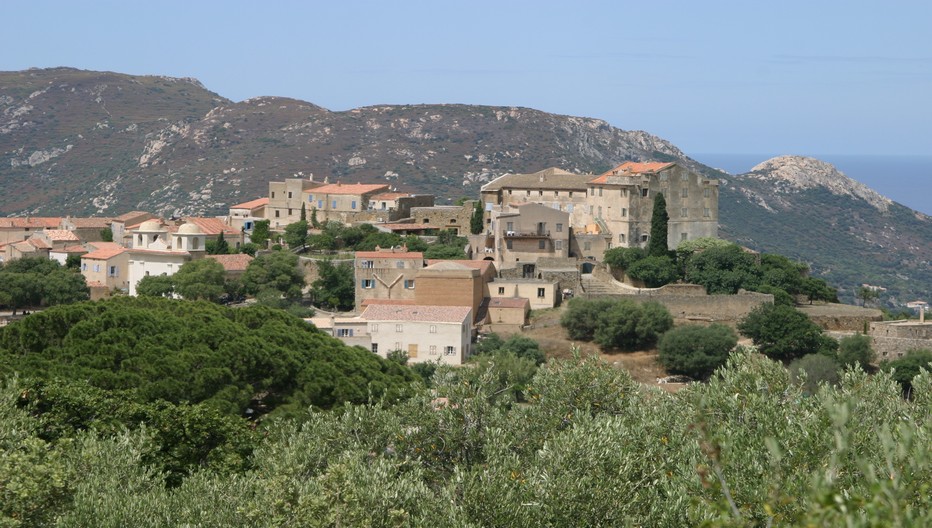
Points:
(481, 265)
(30, 222)
(252, 204)
(237, 262)
(509, 302)
(406, 227)
(38, 243)
(96, 246)
(89, 222)
(632, 167)
(95, 284)
(104, 254)
(394, 302)
(211, 226)
(70, 249)
(389, 196)
(553, 179)
(390, 254)
(133, 215)
(348, 188)
(136, 251)
(416, 312)
(61, 235)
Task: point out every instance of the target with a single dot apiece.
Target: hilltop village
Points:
(532, 240)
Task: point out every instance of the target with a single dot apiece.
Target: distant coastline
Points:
(904, 179)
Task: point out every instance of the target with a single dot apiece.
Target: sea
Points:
(904, 179)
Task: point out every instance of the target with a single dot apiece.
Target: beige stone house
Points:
(522, 233)
(243, 216)
(425, 333)
(285, 200)
(18, 229)
(541, 293)
(106, 270)
(506, 315)
(88, 229)
(386, 274)
(120, 224)
(342, 202)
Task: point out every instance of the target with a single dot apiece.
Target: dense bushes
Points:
(34, 282)
(620, 325)
(784, 333)
(696, 351)
(590, 448)
(908, 367)
(176, 351)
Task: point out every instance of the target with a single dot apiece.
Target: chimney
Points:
(542, 177)
(310, 176)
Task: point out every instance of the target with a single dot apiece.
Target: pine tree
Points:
(658, 228)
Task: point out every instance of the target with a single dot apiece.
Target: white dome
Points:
(190, 229)
(151, 225)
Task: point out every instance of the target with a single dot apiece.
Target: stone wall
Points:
(893, 339)
(445, 216)
(309, 266)
(715, 308)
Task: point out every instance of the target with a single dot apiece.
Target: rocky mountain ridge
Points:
(80, 142)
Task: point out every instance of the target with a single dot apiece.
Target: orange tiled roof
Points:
(632, 167)
(70, 249)
(389, 196)
(61, 235)
(348, 188)
(416, 312)
(212, 226)
(30, 222)
(104, 254)
(258, 202)
(395, 302)
(96, 246)
(390, 254)
(38, 243)
(508, 302)
(237, 262)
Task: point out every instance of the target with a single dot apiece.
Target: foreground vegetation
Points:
(592, 447)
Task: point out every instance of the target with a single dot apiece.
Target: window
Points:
(644, 238)
(644, 193)
(400, 264)
(449, 351)
(706, 213)
(96, 267)
(375, 348)
(600, 191)
(433, 350)
(559, 245)
(290, 212)
(366, 264)
(559, 228)
(277, 213)
(556, 193)
(569, 208)
(684, 236)
(541, 244)
(140, 240)
(310, 198)
(273, 194)
(399, 328)
(591, 191)
(587, 246)
(320, 204)
(527, 193)
(707, 192)
(289, 195)
(344, 332)
(433, 329)
(334, 206)
(591, 209)
(685, 192)
(84, 266)
(571, 194)
(540, 293)
(510, 226)
(426, 220)
(540, 193)
(353, 204)
(621, 237)
(508, 244)
(684, 176)
(368, 284)
(375, 328)
(509, 191)
(113, 272)
(684, 212)
(501, 290)
(409, 284)
(624, 212)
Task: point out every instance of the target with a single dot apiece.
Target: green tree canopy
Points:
(616, 324)
(296, 234)
(477, 222)
(855, 349)
(200, 280)
(334, 287)
(623, 258)
(782, 332)
(219, 246)
(659, 220)
(260, 233)
(724, 270)
(155, 286)
(654, 271)
(278, 271)
(696, 351)
(34, 282)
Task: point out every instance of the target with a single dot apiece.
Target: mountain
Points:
(83, 142)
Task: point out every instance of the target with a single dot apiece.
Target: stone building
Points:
(522, 233)
(386, 274)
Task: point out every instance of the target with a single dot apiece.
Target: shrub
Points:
(623, 258)
(907, 367)
(696, 351)
(631, 326)
(654, 271)
(818, 369)
(782, 332)
(855, 349)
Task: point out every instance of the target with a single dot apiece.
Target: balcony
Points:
(527, 234)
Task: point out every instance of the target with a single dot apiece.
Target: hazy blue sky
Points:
(795, 77)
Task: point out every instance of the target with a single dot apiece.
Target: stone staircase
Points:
(595, 287)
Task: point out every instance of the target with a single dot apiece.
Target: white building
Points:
(156, 250)
(425, 333)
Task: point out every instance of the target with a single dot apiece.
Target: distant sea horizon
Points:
(904, 179)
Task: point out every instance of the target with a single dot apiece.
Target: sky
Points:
(789, 77)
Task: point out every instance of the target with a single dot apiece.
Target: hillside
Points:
(82, 142)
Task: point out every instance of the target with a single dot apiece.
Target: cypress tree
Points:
(475, 223)
(657, 247)
(303, 212)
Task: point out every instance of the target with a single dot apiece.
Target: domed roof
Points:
(190, 229)
(151, 225)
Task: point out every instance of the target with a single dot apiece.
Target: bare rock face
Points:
(791, 173)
